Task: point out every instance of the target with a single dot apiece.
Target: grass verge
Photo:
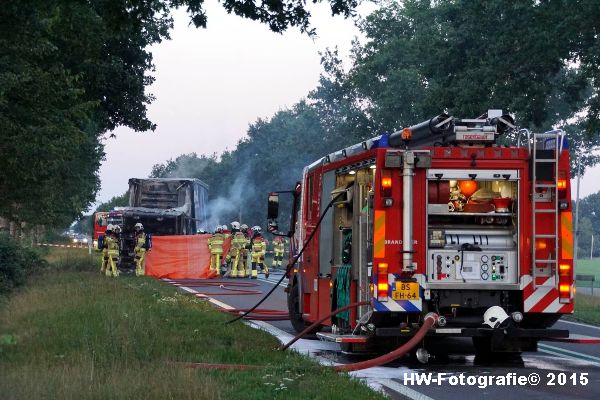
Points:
(73, 334)
(588, 267)
(587, 309)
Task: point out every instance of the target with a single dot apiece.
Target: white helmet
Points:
(224, 227)
(494, 316)
(235, 225)
(117, 228)
(139, 225)
(257, 228)
(219, 228)
(244, 227)
(110, 227)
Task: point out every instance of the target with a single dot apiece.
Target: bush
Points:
(17, 263)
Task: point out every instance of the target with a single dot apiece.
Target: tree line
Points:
(73, 70)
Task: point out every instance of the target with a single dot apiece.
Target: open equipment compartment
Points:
(473, 228)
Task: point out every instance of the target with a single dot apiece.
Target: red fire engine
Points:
(440, 218)
(102, 219)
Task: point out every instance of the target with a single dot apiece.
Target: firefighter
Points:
(105, 264)
(278, 250)
(140, 249)
(259, 248)
(226, 232)
(215, 245)
(238, 244)
(245, 256)
(111, 244)
(117, 231)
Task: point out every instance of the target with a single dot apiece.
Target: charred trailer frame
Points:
(165, 206)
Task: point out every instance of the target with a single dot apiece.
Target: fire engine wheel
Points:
(293, 301)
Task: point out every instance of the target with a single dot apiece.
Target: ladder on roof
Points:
(545, 149)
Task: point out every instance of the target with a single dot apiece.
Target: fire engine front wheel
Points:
(293, 302)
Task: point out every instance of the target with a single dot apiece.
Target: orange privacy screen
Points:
(181, 257)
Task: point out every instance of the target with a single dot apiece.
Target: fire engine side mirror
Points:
(273, 207)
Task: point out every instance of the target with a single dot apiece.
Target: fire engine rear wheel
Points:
(293, 301)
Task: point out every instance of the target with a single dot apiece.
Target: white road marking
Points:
(282, 284)
(568, 353)
(580, 324)
(403, 390)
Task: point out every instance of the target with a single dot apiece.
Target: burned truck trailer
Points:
(164, 206)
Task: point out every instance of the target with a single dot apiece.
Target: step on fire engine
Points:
(436, 218)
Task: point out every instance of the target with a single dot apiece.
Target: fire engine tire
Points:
(293, 302)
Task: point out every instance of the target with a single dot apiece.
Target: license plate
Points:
(406, 291)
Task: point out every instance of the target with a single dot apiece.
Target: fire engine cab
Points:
(443, 218)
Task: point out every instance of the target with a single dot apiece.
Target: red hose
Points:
(319, 322)
(257, 314)
(277, 315)
(430, 320)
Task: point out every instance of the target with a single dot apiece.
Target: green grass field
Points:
(74, 334)
(587, 309)
(588, 267)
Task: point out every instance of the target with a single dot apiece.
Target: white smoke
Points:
(189, 166)
(223, 210)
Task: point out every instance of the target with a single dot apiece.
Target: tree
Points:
(116, 201)
(73, 70)
(534, 59)
(589, 222)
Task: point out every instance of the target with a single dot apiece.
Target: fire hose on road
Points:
(229, 288)
(429, 321)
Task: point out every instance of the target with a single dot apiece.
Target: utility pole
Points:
(592, 247)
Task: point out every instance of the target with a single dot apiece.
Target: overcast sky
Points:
(212, 83)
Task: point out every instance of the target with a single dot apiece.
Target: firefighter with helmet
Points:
(215, 245)
(226, 231)
(140, 249)
(259, 248)
(111, 244)
(245, 256)
(236, 254)
(278, 250)
(105, 264)
(226, 235)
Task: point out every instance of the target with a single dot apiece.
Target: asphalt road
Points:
(565, 371)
